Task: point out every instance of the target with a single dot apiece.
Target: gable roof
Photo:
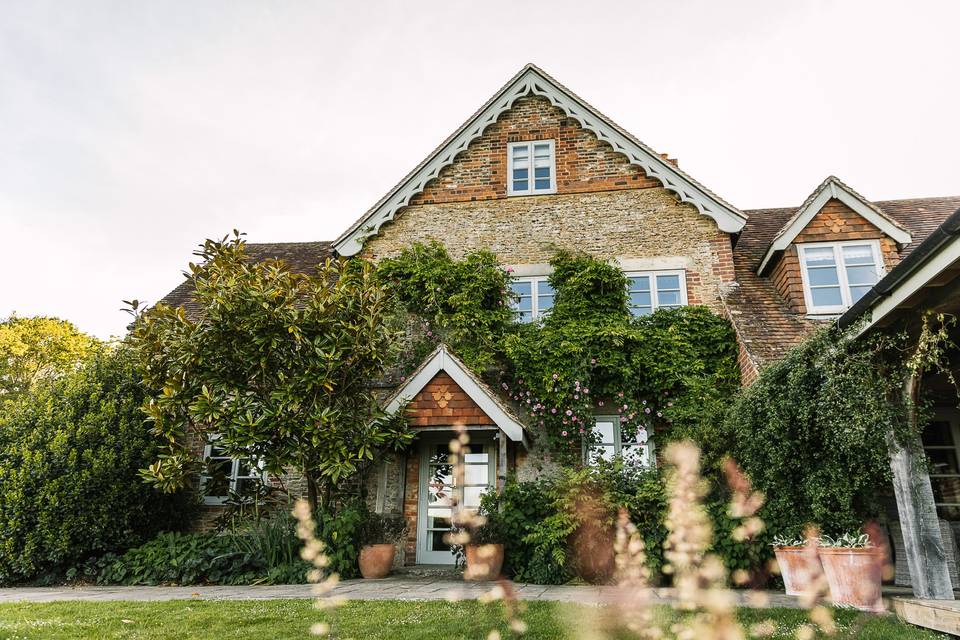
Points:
(442, 360)
(767, 325)
(829, 189)
(531, 80)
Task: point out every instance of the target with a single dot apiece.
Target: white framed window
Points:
(239, 473)
(648, 291)
(531, 168)
(837, 274)
(533, 298)
(941, 443)
(611, 441)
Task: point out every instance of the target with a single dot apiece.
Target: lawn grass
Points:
(360, 620)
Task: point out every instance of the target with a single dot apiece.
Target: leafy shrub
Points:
(549, 525)
(461, 301)
(264, 552)
(70, 452)
(179, 558)
(381, 529)
(339, 528)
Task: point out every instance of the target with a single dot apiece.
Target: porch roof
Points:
(486, 398)
(926, 280)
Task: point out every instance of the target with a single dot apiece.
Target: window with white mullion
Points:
(610, 441)
(941, 443)
(531, 168)
(238, 473)
(533, 298)
(648, 291)
(835, 275)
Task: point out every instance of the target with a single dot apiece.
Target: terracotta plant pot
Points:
(484, 562)
(854, 575)
(798, 567)
(376, 560)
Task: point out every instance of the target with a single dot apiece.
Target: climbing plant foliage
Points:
(812, 431)
(588, 357)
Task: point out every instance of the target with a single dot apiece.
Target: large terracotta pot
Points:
(855, 576)
(798, 567)
(484, 562)
(376, 560)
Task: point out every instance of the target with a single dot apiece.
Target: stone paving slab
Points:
(392, 588)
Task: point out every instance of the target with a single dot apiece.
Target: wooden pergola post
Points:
(501, 461)
(926, 559)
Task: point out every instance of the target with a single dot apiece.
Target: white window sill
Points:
(533, 193)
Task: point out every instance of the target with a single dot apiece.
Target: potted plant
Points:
(854, 569)
(482, 548)
(379, 536)
(798, 562)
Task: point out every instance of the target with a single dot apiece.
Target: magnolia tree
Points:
(279, 364)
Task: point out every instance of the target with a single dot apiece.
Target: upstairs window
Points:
(610, 440)
(531, 168)
(226, 475)
(648, 291)
(533, 298)
(837, 274)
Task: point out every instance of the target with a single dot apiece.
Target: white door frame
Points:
(424, 554)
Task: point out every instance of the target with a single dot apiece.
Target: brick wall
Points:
(411, 504)
(748, 369)
(583, 162)
(836, 222)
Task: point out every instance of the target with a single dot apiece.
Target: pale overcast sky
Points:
(131, 130)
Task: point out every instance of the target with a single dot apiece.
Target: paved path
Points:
(392, 588)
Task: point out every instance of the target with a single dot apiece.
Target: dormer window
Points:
(837, 274)
(531, 168)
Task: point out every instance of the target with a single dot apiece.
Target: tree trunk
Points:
(926, 559)
(312, 494)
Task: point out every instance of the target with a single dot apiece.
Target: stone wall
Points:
(645, 229)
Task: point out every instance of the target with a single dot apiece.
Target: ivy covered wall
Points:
(667, 372)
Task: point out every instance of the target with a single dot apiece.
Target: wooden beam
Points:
(926, 557)
(930, 614)
(501, 461)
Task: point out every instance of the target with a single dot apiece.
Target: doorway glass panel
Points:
(443, 496)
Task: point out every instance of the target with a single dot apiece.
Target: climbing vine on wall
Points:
(813, 431)
(667, 371)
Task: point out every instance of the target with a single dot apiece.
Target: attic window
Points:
(531, 168)
(837, 274)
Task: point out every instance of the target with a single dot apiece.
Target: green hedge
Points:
(70, 452)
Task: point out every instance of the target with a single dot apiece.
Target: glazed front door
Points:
(441, 495)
